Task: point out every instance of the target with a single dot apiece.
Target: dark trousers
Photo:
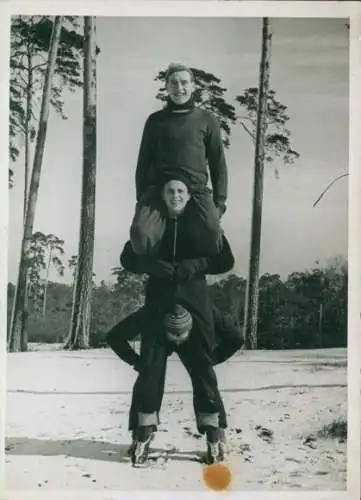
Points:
(149, 387)
(133, 414)
(149, 222)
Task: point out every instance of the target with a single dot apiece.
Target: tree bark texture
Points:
(252, 294)
(81, 314)
(19, 313)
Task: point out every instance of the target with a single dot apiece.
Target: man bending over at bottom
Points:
(229, 339)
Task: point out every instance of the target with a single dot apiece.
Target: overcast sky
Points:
(309, 72)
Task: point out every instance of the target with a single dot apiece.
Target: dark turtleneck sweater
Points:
(185, 138)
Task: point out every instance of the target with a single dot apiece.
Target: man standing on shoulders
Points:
(184, 139)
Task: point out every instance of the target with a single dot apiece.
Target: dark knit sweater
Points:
(187, 141)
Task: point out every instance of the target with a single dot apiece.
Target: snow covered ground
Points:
(67, 422)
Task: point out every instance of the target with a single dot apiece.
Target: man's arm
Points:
(126, 330)
(184, 271)
(217, 163)
(140, 264)
(222, 263)
(145, 160)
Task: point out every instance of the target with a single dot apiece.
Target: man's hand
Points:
(161, 269)
(188, 268)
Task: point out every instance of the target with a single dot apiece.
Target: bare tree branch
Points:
(328, 187)
(23, 80)
(40, 65)
(248, 131)
(240, 118)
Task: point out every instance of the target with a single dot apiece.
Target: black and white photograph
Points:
(178, 251)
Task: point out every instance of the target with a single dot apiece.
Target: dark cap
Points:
(178, 324)
(175, 175)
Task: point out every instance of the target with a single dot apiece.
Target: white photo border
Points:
(205, 8)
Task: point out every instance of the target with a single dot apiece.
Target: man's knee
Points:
(214, 239)
(204, 207)
(213, 223)
(146, 230)
(209, 236)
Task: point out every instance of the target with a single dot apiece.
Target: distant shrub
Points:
(335, 430)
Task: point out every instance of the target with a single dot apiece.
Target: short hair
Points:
(174, 67)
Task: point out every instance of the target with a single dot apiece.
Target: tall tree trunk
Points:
(18, 315)
(81, 314)
(29, 89)
(320, 324)
(252, 295)
(47, 281)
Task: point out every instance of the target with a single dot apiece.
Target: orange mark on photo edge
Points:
(217, 476)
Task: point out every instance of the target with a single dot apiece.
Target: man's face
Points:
(180, 87)
(176, 196)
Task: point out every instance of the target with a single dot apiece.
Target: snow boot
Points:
(140, 446)
(223, 444)
(215, 450)
(132, 446)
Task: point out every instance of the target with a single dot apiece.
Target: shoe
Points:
(215, 450)
(131, 448)
(215, 453)
(223, 443)
(140, 446)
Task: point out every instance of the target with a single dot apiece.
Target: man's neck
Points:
(180, 108)
(172, 215)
